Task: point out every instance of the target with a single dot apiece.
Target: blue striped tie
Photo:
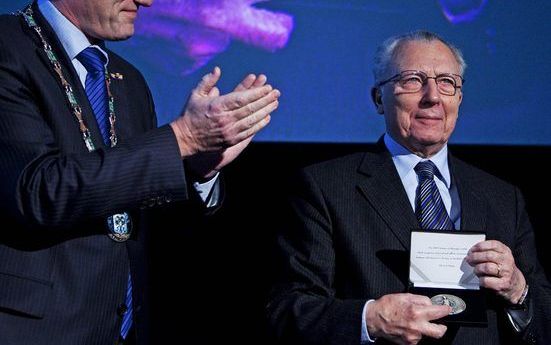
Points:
(429, 207)
(96, 90)
(94, 61)
(127, 318)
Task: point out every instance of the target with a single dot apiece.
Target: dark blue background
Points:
(324, 73)
(211, 276)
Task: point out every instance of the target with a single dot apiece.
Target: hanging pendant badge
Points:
(120, 227)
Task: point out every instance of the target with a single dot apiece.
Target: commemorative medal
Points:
(456, 303)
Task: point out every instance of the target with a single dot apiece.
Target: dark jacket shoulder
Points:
(478, 178)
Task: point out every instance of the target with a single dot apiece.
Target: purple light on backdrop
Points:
(200, 29)
(457, 11)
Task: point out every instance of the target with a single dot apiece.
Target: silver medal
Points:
(120, 227)
(456, 303)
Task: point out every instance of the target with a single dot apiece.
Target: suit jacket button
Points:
(121, 309)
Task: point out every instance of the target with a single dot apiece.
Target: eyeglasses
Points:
(412, 81)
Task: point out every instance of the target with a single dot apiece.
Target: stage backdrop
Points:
(319, 54)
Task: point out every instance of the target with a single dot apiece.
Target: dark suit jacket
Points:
(349, 241)
(62, 280)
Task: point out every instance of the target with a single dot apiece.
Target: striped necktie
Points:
(429, 207)
(94, 61)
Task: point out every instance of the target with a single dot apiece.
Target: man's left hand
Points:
(208, 163)
(494, 264)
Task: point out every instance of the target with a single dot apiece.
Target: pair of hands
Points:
(214, 129)
(406, 318)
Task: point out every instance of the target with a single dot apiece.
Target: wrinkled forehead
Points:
(432, 57)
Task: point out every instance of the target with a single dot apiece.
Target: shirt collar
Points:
(405, 160)
(72, 39)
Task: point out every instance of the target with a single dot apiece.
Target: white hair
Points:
(386, 51)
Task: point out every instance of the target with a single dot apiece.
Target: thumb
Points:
(208, 82)
(214, 92)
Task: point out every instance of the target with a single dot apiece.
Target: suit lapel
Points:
(473, 208)
(69, 73)
(381, 186)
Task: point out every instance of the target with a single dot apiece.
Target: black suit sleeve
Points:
(524, 252)
(303, 306)
(42, 184)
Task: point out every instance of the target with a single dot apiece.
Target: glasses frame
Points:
(398, 76)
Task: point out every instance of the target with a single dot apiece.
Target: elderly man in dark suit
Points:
(343, 270)
(82, 161)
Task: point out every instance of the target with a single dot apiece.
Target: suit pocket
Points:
(24, 295)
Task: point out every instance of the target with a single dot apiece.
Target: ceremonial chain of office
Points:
(73, 103)
(120, 224)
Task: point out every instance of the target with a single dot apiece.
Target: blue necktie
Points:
(429, 207)
(96, 90)
(94, 61)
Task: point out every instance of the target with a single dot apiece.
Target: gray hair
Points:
(386, 51)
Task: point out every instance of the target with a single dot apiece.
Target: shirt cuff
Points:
(209, 191)
(366, 339)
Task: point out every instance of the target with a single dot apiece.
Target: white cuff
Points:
(206, 192)
(366, 339)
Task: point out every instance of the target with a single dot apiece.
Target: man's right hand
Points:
(405, 318)
(212, 122)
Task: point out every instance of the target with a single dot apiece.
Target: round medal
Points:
(120, 227)
(456, 303)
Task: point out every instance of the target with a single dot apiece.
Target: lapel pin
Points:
(117, 76)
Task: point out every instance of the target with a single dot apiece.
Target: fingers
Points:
(434, 330)
(405, 318)
(491, 259)
(476, 258)
(249, 123)
(493, 283)
(208, 82)
(435, 312)
(488, 245)
(256, 126)
(495, 266)
(430, 313)
(246, 83)
(253, 107)
(244, 123)
(251, 80)
(489, 251)
(260, 81)
(240, 99)
(214, 92)
(418, 299)
(488, 269)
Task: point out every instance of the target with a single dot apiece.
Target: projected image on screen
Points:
(319, 53)
(457, 11)
(202, 29)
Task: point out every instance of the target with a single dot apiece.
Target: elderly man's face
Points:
(111, 20)
(421, 121)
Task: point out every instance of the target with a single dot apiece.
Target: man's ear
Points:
(377, 99)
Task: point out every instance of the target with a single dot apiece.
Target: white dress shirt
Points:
(405, 162)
